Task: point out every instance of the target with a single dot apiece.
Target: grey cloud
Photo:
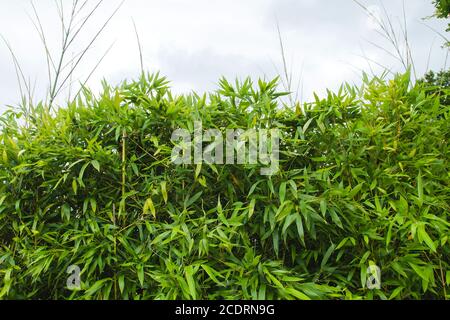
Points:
(337, 30)
(196, 43)
(202, 69)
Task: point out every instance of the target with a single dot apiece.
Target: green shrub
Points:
(364, 179)
(442, 8)
(438, 83)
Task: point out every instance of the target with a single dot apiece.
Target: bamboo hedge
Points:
(363, 180)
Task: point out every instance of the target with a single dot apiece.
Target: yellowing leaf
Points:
(74, 186)
(149, 206)
(251, 208)
(198, 169)
(164, 191)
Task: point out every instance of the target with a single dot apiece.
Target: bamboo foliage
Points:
(363, 180)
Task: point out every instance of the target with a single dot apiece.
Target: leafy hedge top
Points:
(443, 12)
(364, 179)
(442, 8)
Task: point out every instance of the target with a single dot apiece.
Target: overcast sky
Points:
(195, 42)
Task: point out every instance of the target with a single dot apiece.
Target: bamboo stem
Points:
(124, 159)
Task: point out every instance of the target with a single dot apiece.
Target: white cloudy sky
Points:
(195, 42)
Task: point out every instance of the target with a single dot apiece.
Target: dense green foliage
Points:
(364, 179)
(442, 8)
(437, 83)
(443, 12)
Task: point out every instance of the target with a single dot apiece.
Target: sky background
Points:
(196, 42)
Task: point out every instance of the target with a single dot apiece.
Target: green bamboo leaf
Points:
(323, 207)
(149, 206)
(336, 218)
(81, 175)
(212, 274)
(85, 205)
(6, 282)
(140, 274)
(423, 235)
(389, 234)
(342, 243)
(65, 212)
(420, 271)
(198, 170)
(252, 189)
(96, 287)
(396, 292)
(5, 157)
(355, 190)
(287, 223)
(297, 294)
(420, 188)
(282, 192)
(164, 191)
(219, 206)
(93, 204)
(121, 283)
(96, 165)
(251, 208)
(189, 272)
(74, 186)
(192, 200)
(327, 256)
(307, 124)
(300, 229)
